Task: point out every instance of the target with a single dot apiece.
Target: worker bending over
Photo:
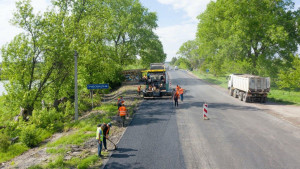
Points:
(106, 128)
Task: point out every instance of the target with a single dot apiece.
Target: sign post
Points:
(96, 86)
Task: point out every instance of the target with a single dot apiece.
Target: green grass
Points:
(56, 150)
(275, 95)
(286, 97)
(76, 138)
(109, 108)
(76, 162)
(13, 151)
(220, 80)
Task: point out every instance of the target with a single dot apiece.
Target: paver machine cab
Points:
(157, 82)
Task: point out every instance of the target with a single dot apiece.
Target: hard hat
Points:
(109, 124)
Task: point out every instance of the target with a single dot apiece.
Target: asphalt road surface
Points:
(238, 135)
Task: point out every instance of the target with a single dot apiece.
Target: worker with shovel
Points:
(105, 128)
(99, 137)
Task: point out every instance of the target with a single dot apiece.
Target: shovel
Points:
(113, 144)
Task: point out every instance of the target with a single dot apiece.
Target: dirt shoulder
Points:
(289, 113)
(40, 156)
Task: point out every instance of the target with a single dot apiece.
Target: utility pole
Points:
(76, 86)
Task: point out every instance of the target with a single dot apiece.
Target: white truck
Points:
(249, 88)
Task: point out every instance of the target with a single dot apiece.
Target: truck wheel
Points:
(264, 99)
(241, 95)
(245, 98)
(235, 93)
(230, 91)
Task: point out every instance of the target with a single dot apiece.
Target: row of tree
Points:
(258, 37)
(106, 35)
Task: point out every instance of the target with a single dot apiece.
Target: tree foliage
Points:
(107, 35)
(257, 37)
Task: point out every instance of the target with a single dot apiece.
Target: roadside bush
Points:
(50, 120)
(30, 136)
(4, 142)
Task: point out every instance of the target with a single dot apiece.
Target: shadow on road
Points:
(116, 165)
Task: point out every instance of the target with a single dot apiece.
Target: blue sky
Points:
(177, 21)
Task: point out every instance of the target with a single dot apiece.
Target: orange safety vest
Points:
(120, 101)
(139, 88)
(181, 91)
(177, 88)
(122, 111)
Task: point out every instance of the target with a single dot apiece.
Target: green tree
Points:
(262, 33)
(290, 77)
(190, 51)
(173, 61)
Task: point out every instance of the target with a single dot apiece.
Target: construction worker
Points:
(177, 88)
(175, 97)
(122, 113)
(181, 90)
(150, 88)
(120, 102)
(99, 137)
(139, 90)
(106, 128)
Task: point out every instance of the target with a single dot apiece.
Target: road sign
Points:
(97, 86)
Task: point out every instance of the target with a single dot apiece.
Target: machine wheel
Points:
(241, 96)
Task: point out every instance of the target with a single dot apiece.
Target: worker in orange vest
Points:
(139, 90)
(120, 102)
(122, 113)
(181, 93)
(177, 88)
(175, 97)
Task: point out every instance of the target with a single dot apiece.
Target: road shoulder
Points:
(289, 113)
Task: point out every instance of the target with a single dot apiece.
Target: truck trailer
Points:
(249, 88)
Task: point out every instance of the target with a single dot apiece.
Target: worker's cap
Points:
(99, 125)
(109, 124)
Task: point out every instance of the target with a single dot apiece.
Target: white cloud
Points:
(7, 7)
(192, 7)
(172, 37)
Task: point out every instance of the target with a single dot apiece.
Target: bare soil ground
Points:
(39, 155)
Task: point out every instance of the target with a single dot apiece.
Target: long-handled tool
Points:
(113, 144)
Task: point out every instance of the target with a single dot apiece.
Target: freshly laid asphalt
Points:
(151, 140)
(238, 135)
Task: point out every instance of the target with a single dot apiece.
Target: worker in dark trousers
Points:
(139, 90)
(99, 138)
(122, 113)
(106, 128)
(175, 97)
(120, 102)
